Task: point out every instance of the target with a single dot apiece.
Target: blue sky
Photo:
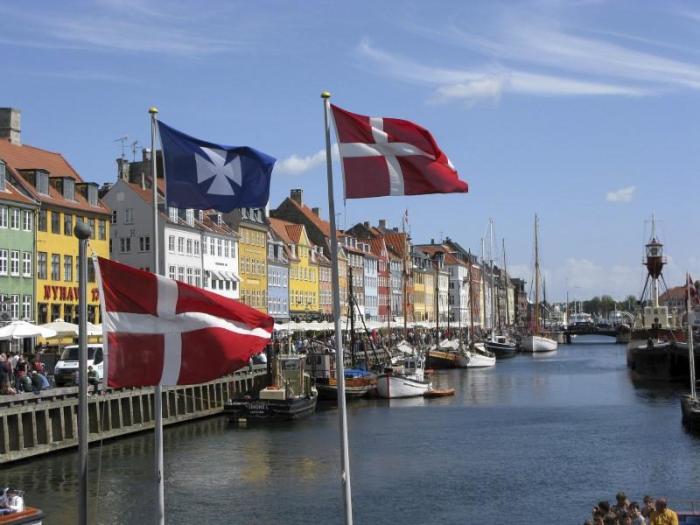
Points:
(584, 112)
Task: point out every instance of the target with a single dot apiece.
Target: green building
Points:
(17, 252)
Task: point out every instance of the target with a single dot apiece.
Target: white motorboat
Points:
(538, 343)
(406, 379)
(479, 357)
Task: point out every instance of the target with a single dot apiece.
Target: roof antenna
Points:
(123, 140)
(134, 149)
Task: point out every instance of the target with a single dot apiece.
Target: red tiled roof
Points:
(322, 225)
(397, 242)
(280, 228)
(13, 194)
(677, 292)
(25, 157)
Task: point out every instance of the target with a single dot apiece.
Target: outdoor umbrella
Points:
(62, 328)
(22, 329)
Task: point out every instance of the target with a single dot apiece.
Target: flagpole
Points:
(340, 365)
(82, 231)
(158, 390)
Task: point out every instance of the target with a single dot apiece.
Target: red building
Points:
(380, 251)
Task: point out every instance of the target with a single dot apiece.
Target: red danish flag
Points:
(388, 156)
(159, 331)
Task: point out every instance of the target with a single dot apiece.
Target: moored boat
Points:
(291, 396)
(404, 380)
(14, 512)
(479, 357)
(538, 343)
(358, 382)
(501, 347)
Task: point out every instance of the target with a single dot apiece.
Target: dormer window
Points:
(189, 217)
(3, 182)
(42, 182)
(201, 215)
(219, 219)
(92, 194)
(69, 189)
(172, 213)
(244, 213)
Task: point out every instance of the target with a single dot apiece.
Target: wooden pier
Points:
(32, 424)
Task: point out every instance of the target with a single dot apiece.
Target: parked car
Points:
(65, 370)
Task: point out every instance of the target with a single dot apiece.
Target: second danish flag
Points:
(389, 156)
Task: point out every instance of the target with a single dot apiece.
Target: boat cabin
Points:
(290, 378)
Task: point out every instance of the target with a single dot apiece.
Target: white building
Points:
(194, 247)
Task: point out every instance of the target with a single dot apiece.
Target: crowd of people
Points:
(17, 374)
(624, 512)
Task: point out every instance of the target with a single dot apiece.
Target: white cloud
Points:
(621, 195)
(487, 82)
(296, 164)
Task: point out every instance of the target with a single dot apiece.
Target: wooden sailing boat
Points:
(536, 341)
(499, 343)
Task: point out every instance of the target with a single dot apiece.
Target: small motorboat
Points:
(501, 347)
(440, 392)
(479, 357)
(14, 512)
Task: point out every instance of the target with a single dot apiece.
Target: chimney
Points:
(432, 241)
(366, 224)
(10, 125)
(382, 224)
(317, 211)
(122, 169)
(296, 196)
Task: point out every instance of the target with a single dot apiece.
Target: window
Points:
(90, 271)
(27, 220)
(55, 222)
(205, 243)
(189, 246)
(171, 272)
(67, 224)
(212, 247)
(55, 267)
(171, 243)
(129, 216)
(125, 244)
(189, 217)
(2, 176)
(226, 243)
(42, 182)
(3, 262)
(91, 223)
(92, 194)
(42, 221)
(69, 189)
(67, 267)
(219, 248)
(3, 216)
(14, 306)
(41, 259)
(180, 273)
(197, 277)
(102, 226)
(172, 214)
(14, 218)
(145, 244)
(27, 307)
(114, 216)
(189, 275)
(180, 245)
(27, 264)
(14, 262)
(196, 247)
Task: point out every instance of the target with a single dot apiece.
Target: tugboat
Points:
(403, 379)
(290, 396)
(654, 330)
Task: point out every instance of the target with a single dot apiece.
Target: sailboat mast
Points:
(471, 299)
(491, 278)
(537, 280)
(351, 309)
(691, 346)
(483, 287)
(405, 278)
(505, 279)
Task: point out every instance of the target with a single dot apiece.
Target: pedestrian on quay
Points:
(93, 379)
(621, 508)
(21, 375)
(662, 515)
(648, 508)
(636, 514)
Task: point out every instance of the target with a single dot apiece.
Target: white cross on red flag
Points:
(389, 156)
(158, 331)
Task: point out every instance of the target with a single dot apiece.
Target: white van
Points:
(67, 366)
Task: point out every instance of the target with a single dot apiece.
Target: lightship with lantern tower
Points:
(655, 329)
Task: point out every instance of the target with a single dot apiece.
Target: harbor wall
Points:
(31, 424)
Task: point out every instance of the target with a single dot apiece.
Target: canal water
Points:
(536, 440)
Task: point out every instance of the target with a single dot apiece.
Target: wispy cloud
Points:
(298, 164)
(129, 26)
(621, 195)
(531, 49)
(487, 82)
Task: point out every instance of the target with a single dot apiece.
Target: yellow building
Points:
(303, 270)
(64, 200)
(429, 283)
(252, 255)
